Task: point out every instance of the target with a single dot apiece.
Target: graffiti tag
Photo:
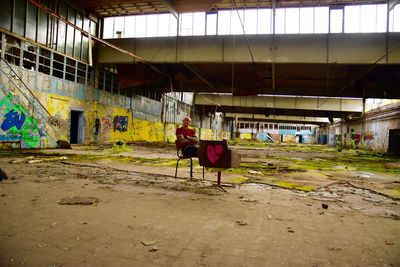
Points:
(121, 123)
(16, 122)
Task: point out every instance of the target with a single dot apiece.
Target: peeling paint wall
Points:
(369, 132)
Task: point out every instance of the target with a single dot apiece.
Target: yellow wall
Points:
(137, 130)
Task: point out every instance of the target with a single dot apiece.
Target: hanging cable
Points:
(244, 32)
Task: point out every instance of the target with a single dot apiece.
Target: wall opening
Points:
(77, 127)
(394, 141)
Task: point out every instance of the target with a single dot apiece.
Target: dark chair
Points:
(181, 156)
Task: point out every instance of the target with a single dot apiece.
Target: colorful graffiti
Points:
(17, 123)
(121, 123)
(369, 136)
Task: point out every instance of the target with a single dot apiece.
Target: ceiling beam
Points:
(392, 4)
(171, 8)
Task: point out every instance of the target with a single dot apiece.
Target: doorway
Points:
(394, 142)
(77, 128)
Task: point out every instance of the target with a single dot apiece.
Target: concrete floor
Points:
(146, 217)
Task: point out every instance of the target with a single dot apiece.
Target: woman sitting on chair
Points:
(187, 139)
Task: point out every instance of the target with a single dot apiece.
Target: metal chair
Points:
(181, 156)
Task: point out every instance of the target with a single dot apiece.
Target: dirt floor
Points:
(287, 205)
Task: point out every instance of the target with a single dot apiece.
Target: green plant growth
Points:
(120, 147)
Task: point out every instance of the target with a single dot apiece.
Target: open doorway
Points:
(77, 128)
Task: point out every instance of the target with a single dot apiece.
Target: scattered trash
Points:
(37, 246)
(78, 201)
(254, 172)
(269, 216)
(119, 143)
(241, 223)
(324, 206)
(153, 249)
(148, 242)
(389, 243)
(3, 175)
(290, 230)
(334, 249)
(63, 144)
(247, 199)
(35, 161)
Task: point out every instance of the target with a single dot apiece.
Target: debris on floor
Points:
(78, 201)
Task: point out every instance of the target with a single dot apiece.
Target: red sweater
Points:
(185, 132)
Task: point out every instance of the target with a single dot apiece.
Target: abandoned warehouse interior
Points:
(296, 105)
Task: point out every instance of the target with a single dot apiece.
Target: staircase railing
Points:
(28, 103)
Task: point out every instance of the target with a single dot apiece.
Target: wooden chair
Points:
(181, 156)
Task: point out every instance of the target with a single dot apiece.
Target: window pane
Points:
(108, 28)
(351, 19)
(85, 47)
(42, 27)
(152, 21)
(236, 22)
(292, 20)
(199, 23)
(163, 25)
(381, 18)
(280, 20)
(5, 11)
(93, 27)
(86, 23)
(70, 40)
(78, 36)
(336, 20)
(19, 12)
(224, 22)
(264, 21)
(321, 22)
(396, 18)
(368, 18)
(307, 20)
(31, 21)
(250, 21)
(61, 36)
(186, 24)
(173, 25)
(211, 24)
(129, 30)
(118, 27)
(140, 26)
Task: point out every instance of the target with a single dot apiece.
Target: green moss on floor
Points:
(238, 180)
(290, 185)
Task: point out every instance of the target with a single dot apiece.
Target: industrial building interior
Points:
(295, 104)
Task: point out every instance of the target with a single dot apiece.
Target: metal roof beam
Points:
(171, 8)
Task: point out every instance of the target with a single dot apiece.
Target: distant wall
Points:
(107, 117)
(369, 132)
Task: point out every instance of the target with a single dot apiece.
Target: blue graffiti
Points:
(12, 119)
(121, 123)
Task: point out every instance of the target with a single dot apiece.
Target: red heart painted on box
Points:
(214, 152)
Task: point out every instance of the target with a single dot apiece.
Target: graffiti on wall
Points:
(17, 123)
(106, 125)
(369, 135)
(121, 123)
(56, 121)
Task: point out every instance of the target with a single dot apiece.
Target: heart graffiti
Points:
(214, 152)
